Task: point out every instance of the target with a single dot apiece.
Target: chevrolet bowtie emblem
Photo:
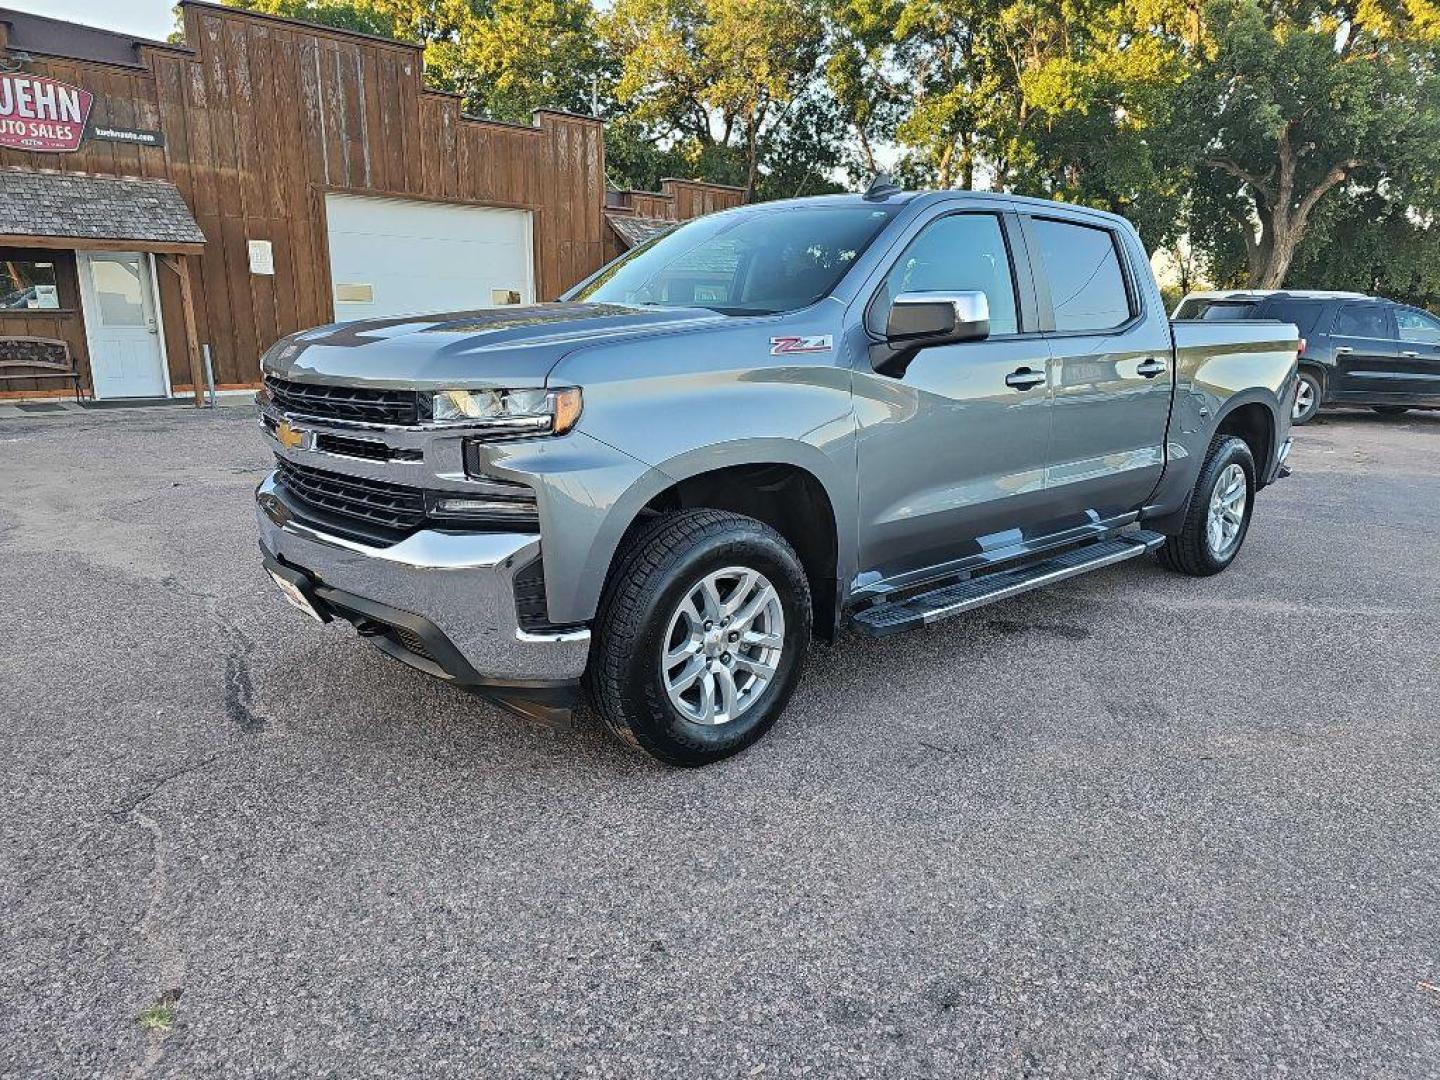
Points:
(292, 438)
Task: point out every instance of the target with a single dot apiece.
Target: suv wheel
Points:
(700, 636)
(1307, 398)
(1219, 514)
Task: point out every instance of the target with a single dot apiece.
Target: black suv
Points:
(1358, 350)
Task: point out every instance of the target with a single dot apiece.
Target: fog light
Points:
(462, 507)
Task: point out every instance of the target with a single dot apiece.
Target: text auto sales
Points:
(41, 112)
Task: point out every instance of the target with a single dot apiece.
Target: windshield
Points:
(755, 263)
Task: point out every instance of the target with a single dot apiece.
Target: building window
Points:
(28, 284)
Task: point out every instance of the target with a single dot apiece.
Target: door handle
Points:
(1413, 355)
(1343, 350)
(1024, 378)
(1151, 367)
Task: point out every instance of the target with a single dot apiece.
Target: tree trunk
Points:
(867, 150)
(752, 162)
(942, 180)
(1282, 211)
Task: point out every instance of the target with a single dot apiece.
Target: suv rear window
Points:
(1212, 310)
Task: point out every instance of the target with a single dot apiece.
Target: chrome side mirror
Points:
(938, 318)
(918, 320)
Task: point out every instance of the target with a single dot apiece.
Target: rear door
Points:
(1110, 375)
(1367, 352)
(1419, 333)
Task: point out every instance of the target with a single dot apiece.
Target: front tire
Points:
(1307, 397)
(1219, 515)
(700, 636)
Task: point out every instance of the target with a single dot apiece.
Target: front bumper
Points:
(442, 602)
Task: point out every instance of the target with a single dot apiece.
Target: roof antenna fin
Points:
(881, 188)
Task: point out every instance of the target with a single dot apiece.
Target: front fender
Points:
(579, 604)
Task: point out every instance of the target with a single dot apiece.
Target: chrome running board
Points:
(925, 608)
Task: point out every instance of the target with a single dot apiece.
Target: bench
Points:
(40, 358)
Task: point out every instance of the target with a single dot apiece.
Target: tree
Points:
(719, 80)
(419, 21)
(1290, 103)
(521, 55)
(506, 57)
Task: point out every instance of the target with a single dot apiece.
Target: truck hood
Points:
(512, 346)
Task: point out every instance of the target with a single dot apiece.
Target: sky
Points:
(144, 18)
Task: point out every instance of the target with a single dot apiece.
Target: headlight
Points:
(507, 414)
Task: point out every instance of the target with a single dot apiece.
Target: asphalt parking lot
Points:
(1138, 825)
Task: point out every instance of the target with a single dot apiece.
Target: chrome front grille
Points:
(391, 506)
(347, 404)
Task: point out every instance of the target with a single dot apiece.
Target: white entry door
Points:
(404, 257)
(121, 326)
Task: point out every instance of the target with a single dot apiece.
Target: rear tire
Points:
(1307, 397)
(1390, 410)
(1219, 515)
(700, 637)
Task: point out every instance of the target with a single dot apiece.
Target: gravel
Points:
(1137, 825)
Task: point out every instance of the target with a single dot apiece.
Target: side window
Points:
(952, 254)
(1362, 320)
(1417, 326)
(1082, 265)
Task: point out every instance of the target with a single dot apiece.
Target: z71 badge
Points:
(784, 346)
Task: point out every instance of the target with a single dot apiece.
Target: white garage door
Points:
(402, 257)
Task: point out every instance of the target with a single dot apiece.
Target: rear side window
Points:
(1082, 265)
(1303, 314)
(1362, 320)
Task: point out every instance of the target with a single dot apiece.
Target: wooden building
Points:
(160, 203)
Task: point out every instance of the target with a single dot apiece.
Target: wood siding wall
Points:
(263, 116)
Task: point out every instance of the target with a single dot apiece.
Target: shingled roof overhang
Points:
(75, 210)
(634, 230)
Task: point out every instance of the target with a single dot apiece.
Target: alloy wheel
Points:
(722, 646)
(1304, 399)
(1228, 503)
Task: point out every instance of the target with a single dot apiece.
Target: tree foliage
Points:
(728, 84)
(1273, 141)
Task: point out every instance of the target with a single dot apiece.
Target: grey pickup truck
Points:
(773, 423)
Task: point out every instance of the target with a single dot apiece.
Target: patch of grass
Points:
(159, 1018)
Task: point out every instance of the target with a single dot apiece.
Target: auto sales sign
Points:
(42, 114)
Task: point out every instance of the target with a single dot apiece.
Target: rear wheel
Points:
(1390, 410)
(700, 636)
(1219, 516)
(1307, 398)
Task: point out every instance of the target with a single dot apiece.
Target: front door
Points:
(121, 325)
(1367, 353)
(1419, 354)
(952, 456)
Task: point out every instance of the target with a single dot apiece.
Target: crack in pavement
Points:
(240, 703)
(169, 958)
(240, 706)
